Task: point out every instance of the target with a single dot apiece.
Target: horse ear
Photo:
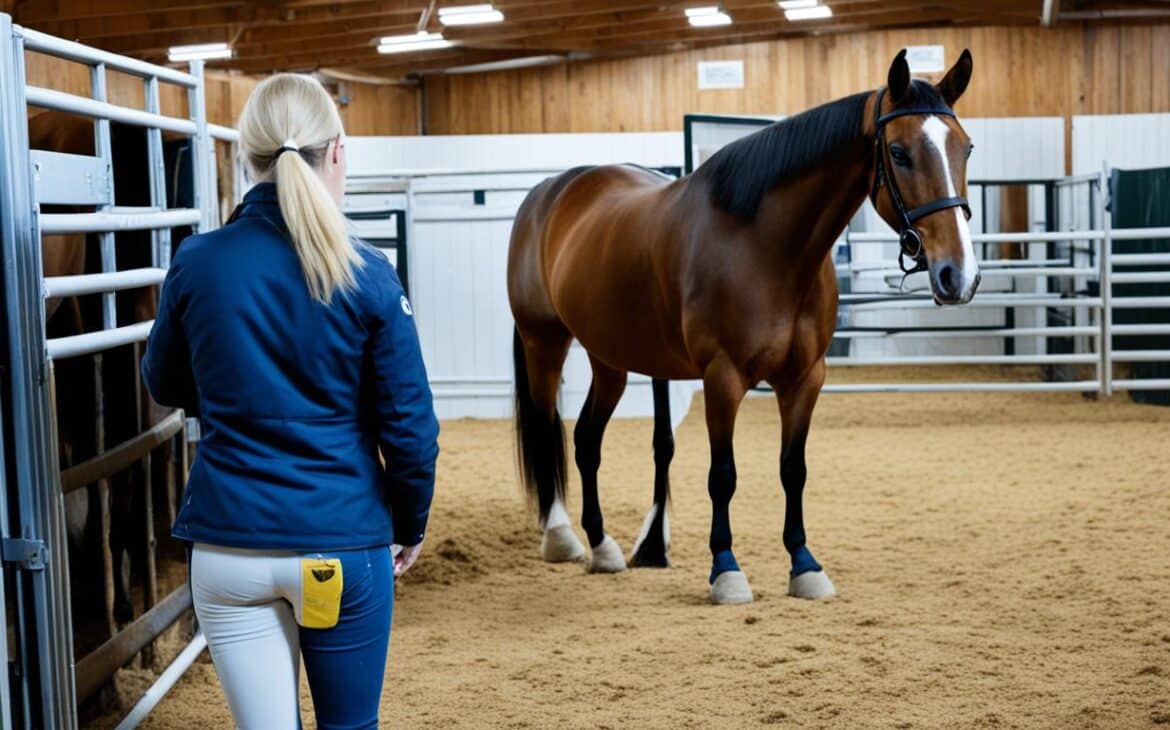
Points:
(955, 82)
(898, 80)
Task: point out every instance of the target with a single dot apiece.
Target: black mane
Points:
(742, 172)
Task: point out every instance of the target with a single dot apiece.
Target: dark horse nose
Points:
(948, 281)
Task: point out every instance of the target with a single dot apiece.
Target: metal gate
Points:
(46, 683)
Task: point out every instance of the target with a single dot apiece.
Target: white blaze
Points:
(936, 133)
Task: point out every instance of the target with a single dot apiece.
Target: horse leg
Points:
(538, 356)
(604, 393)
(654, 540)
(723, 390)
(121, 528)
(807, 579)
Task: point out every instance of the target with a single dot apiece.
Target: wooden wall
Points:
(224, 93)
(380, 110)
(1019, 71)
(372, 110)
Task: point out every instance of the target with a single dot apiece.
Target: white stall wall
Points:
(458, 252)
(1128, 141)
(509, 152)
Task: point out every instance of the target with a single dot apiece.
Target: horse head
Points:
(920, 176)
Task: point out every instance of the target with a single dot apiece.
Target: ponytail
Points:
(289, 107)
(316, 226)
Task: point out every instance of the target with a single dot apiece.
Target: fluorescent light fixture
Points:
(797, 4)
(814, 13)
(706, 17)
(470, 15)
(202, 51)
(421, 41)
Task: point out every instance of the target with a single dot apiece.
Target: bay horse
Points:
(725, 276)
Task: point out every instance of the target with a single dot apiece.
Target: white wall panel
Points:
(501, 153)
(1128, 141)
(458, 252)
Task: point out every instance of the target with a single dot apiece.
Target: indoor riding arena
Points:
(887, 282)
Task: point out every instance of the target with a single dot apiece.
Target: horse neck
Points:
(800, 220)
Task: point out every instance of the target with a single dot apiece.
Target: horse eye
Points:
(970, 149)
(900, 156)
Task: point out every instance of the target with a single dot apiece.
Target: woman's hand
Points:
(404, 557)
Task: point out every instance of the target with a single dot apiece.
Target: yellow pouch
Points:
(321, 583)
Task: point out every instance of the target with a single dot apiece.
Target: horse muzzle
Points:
(951, 285)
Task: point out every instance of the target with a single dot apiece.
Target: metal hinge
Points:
(27, 554)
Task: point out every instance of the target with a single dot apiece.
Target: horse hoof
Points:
(647, 559)
(814, 584)
(560, 545)
(651, 546)
(607, 557)
(731, 587)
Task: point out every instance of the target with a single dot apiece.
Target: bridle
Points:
(908, 236)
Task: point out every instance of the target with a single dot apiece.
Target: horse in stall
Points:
(127, 408)
(65, 255)
(725, 276)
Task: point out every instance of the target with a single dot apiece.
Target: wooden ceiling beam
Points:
(672, 30)
(349, 40)
(588, 35)
(305, 34)
(355, 24)
(248, 42)
(32, 12)
(277, 19)
(670, 20)
(325, 47)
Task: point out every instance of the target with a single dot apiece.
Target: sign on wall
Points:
(926, 59)
(720, 74)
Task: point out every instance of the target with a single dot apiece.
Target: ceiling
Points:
(339, 36)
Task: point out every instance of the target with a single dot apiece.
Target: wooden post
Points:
(104, 493)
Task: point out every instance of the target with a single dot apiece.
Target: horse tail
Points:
(540, 442)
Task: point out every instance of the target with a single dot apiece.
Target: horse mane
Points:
(742, 172)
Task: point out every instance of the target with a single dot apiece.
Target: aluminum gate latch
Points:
(28, 554)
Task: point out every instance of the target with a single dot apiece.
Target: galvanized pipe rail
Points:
(1099, 334)
(47, 693)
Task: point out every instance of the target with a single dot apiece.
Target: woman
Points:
(296, 346)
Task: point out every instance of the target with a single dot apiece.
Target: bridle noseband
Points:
(908, 236)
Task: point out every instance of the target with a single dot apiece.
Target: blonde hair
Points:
(286, 126)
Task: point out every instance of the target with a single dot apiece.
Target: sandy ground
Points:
(1002, 561)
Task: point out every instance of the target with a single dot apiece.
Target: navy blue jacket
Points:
(294, 397)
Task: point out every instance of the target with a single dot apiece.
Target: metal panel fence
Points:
(1069, 272)
(47, 683)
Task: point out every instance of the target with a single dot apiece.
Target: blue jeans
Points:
(346, 664)
(247, 602)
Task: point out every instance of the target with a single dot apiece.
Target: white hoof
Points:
(814, 584)
(607, 557)
(731, 587)
(560, 545)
